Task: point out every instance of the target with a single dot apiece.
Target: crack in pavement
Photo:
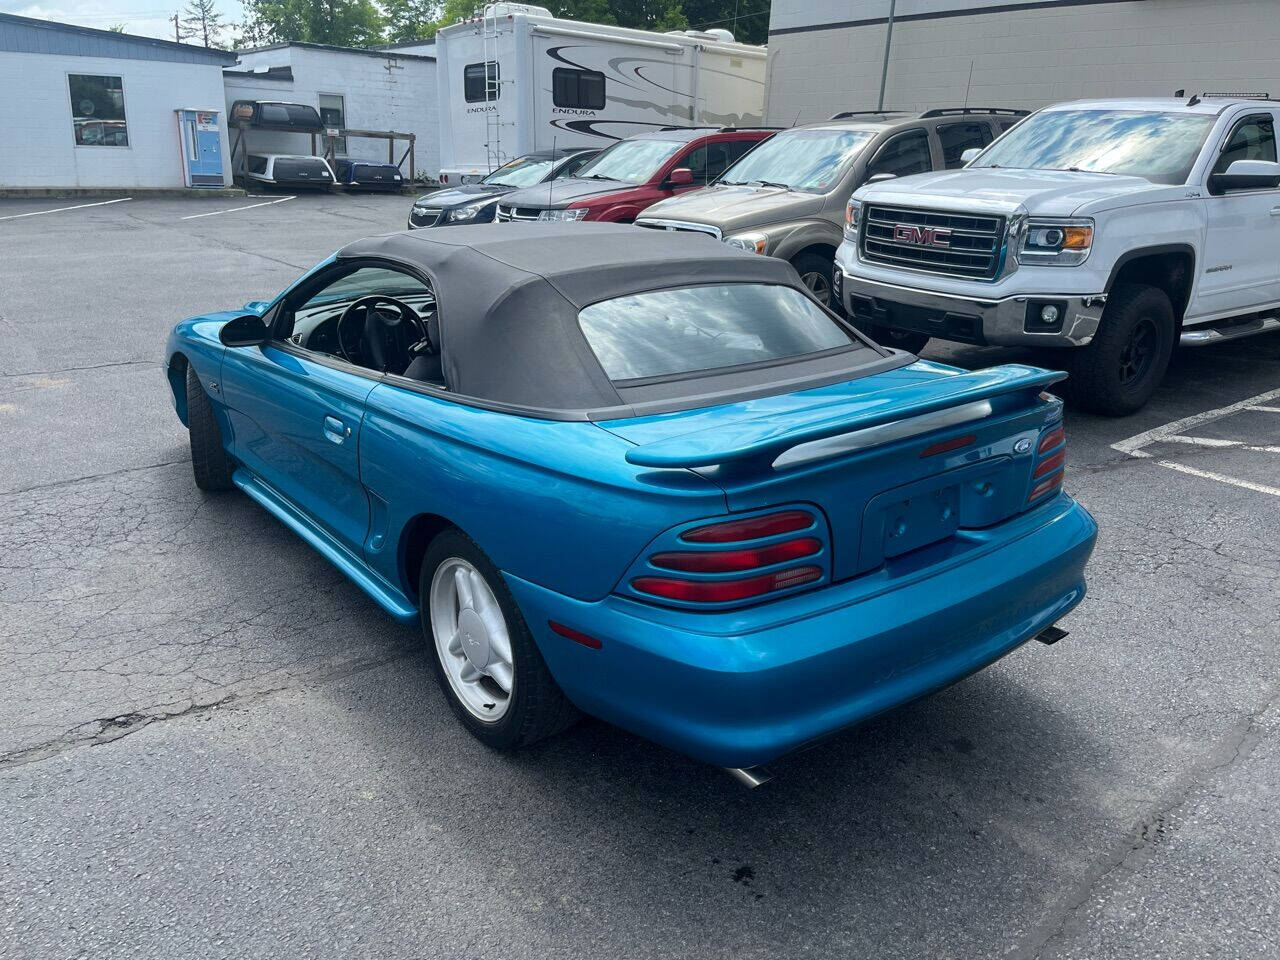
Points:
(91, 366)
(103, 730)
(92, 476)
(1142, 841)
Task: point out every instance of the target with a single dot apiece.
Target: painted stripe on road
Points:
(1267, 409)
(78, 206)
(1215, 442)
(1133, 446)
(252, 206)
(1221, 478)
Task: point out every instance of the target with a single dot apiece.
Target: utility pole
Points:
(888, 41)
(177, 34)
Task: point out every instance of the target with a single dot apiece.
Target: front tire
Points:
(209, 460)
(483, 654)
(1117, 373)
(816, 274)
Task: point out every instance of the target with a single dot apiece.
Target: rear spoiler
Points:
(766, 437)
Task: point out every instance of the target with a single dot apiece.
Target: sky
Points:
(148, 18)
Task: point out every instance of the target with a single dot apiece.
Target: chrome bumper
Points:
(978, 320)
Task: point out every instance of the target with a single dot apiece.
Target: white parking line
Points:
(1133, 446)
(1215, 442)
(1266, 409)
(1210, 475)
(214, 213)
(78, 206)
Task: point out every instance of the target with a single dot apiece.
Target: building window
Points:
(958, 137)
(475, 80)
(97, 110)
(583, 89)
(334, 116)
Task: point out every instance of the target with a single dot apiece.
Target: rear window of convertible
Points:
(667, 333)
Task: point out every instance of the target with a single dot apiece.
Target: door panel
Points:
(296, 424)
(1241, 263)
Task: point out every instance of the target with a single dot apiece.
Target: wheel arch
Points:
(176, 372)
(1169, 267)
(415, 537)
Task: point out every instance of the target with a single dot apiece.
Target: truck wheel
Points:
(209, 460)
(1117, 373)
(898, 339)
(815, 272)
(484, 656)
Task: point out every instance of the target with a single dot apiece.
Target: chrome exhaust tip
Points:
(750, 777)
(1050, 635)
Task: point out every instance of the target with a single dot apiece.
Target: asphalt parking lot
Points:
(213, 745)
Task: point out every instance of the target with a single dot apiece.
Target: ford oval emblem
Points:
(1022, 446)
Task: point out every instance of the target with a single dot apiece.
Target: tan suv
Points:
(786, 198)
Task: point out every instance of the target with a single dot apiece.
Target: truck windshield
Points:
(809, 160)
(669, 332)
(521, 172)
(631, 161)
(1160, 147)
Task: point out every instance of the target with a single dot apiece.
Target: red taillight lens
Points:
(753, 528)
(1045, 486)
(730, 561)
(577, 636)
(1053, 438)
(1050, 464)
(946, 446)
(724, 591)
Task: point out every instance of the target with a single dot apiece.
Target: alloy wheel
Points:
(1138, 352)
(819, 285)
(472, 639)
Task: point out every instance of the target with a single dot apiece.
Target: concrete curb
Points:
(112, 193)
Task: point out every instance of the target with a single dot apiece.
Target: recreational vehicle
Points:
(518, 80)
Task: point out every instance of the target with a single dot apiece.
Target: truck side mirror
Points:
(1246, 175)
(680, 177)
(970, 155)
(881, 177)
(246, 331)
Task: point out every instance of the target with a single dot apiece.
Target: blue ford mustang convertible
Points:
(642, 475)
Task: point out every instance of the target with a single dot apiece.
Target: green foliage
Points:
(345, 23)
(202, 23)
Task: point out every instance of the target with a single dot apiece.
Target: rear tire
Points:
(209, 460)
(1117, 373)
(815, 273)
(534, 707)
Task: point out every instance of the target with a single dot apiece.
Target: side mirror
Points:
(970, 155)
(680, 177)
(1246, 175)
(881, 177)
(246, 331)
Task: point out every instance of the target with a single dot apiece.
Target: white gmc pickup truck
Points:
(1113, 228)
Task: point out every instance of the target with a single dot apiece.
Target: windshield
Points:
(799, 159)
(668, 332)
(521, 172)
(632, 161)
(1162, 147)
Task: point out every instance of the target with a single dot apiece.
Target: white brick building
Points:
(353, 88)
(89, 108)
(826, 55)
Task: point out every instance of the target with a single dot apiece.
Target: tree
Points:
(344, 23)
(117, 27)
(202, 22)
(409, 20)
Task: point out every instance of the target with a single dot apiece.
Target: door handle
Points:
(335, 429)
(1275, 211)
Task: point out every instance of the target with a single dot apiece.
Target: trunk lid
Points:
(896, 461)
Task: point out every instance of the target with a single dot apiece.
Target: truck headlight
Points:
(469, 212)
(569, 213)
(852, 219)
(1056, 242)
(751, 242)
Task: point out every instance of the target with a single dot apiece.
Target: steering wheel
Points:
(403, 321)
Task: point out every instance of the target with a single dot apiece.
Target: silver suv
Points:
(787, 197)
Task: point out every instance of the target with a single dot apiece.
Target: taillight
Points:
(735, 560)
(1051, 460)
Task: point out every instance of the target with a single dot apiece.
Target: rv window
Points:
(577, 88)
(474, 82)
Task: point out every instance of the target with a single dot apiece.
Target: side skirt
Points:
(385, 595)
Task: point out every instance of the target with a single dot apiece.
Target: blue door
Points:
(202, 147)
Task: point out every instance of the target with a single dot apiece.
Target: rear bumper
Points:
(741, 688)
(998, 321)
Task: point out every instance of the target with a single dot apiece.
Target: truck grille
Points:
(681, 226)
(507, 214)
(950, 243)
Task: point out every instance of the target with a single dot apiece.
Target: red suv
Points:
(633, 173)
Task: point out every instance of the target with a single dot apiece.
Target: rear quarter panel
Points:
(550, 502)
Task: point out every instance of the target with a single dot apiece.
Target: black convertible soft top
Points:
(508, 297)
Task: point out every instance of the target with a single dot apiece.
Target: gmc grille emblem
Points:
(921, 236)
